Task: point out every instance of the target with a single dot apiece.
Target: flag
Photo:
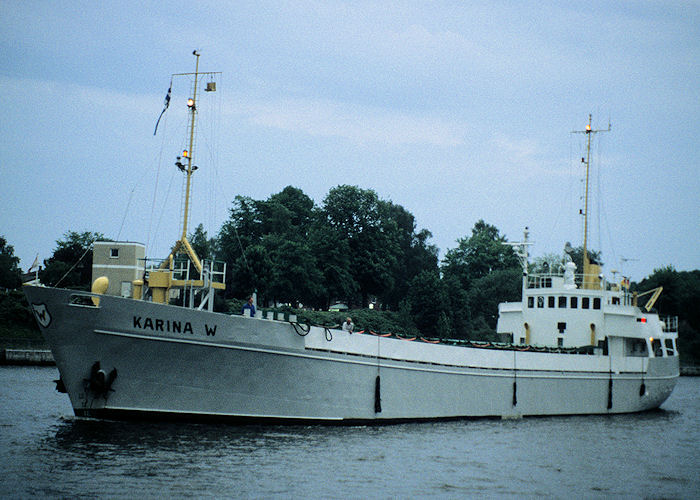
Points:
(34, 264)
(166, 103)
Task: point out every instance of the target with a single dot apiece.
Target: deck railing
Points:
(670, 324)
(548, 280)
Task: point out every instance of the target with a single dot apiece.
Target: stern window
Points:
(596, 303)
(540, 302)
(562, 302)
(550, 301)
(531, 302)
(585, 303)
(574, 302)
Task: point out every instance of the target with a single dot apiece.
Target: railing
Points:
(549, 280)
(214, 271)
(184, 270)
(670, 324)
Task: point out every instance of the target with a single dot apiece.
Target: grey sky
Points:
(457, 111)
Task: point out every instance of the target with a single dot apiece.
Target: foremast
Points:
(188, 155)
(162, 279)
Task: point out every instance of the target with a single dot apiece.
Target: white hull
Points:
(168, 366)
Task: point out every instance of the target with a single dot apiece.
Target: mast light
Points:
(190, 103)
(186, 154)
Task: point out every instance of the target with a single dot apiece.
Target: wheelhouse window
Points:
(585, 303)
(550, 301)
(669, 347)
(113, 253)
(596, 303)
(562, 302)
(573, 303)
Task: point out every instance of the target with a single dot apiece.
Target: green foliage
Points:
(428, 303)
(17, 324)
(10, 274)
(554, 263)
(355, 246)
(356, 216)
(480, 273)
(203, 246)
(483, 252)
(70, 266)
(679, 298)
(503, 285)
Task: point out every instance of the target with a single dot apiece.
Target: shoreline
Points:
(26, 357)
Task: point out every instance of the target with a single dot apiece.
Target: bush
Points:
(17, 324)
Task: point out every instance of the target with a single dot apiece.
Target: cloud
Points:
(419, 43)
(55, 95)
(357, 123)
(525, 158)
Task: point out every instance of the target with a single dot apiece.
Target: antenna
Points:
(589, 131)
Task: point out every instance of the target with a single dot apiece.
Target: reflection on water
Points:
(45, 451)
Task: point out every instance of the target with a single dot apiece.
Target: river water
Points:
(46, 452)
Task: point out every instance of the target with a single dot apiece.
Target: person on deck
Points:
(249, 305)
(348, 325)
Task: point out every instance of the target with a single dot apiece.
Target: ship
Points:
(576, 344)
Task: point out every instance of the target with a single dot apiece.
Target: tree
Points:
(332, 252)
(354, 214)
(679, 298)
(554, 263)
(503, 285)
(295, 276)
(429, 304)
(202, 245)
(414, 256)
(474, 296)
(289, 212)
(267, 247)
(10, 274)
(70, 266)
(238, 236)
(475, 257)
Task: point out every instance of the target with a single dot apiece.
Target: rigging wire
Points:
(598, 194)
(159, 164)
(89, 247)
(218, 187)
(605, 218)
(126, 212)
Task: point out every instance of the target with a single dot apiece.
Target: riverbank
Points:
(26, 357)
